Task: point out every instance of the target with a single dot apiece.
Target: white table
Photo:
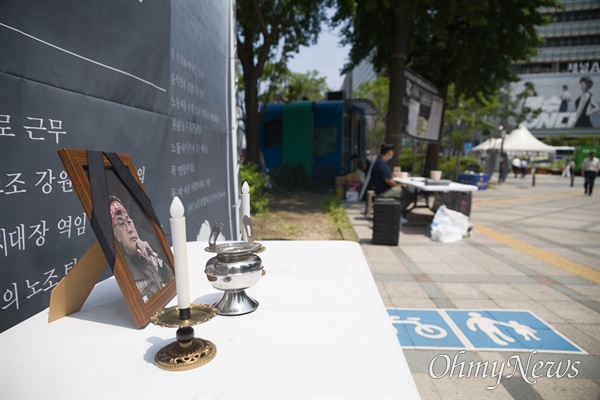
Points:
(422, 189)
(421, 184)
(321, 331)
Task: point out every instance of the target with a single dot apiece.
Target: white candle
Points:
(245, 207)
(180, 253)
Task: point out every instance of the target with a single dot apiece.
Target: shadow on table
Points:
(107, 306)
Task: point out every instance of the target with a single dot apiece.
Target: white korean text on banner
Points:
(148, 79)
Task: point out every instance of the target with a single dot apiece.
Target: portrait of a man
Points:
(148, 269)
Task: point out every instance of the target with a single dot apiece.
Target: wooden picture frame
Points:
(143, 295)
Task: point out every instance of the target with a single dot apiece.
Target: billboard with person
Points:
(569, 102)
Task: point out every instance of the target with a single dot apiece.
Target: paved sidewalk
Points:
(532, 248)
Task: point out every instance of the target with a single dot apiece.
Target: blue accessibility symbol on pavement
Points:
(503, 329)
(423, 328)
(477, 330)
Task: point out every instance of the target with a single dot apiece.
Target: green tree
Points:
(510, 110)
(273, 76)
(470, 44)
(525, 112)
(379, 31)
(270, 30)
(463, 116)
(378, 92)
(474, 44)
(291, 86)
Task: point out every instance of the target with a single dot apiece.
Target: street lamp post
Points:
(503, 161)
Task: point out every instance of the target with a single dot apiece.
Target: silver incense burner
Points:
(235, 268)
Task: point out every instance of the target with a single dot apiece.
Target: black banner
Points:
(146, 78)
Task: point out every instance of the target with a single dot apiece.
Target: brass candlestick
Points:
(187, 352)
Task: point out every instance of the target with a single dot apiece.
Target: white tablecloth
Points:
(321, 331)
(421, 184)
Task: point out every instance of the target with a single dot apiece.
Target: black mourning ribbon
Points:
(101, 221)
(134, 187)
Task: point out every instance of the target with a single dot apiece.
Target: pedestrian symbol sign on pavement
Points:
(478, 330)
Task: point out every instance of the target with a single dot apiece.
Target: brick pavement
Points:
(534, 248)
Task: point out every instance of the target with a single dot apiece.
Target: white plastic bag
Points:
(448, 225)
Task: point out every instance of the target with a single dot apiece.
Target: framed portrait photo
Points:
(126, 227)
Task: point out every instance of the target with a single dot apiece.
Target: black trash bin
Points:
(386, 221)
(457, 201)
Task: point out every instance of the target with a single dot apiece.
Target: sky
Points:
(327, 57)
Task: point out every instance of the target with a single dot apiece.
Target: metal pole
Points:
(503, 167)
(532, 172)
(571, 172)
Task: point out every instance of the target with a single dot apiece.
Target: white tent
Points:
(522, 142)
(488, 144)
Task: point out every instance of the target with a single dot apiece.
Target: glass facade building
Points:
(572, 41)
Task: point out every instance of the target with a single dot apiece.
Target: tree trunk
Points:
(398, 56)
(252, 122)
(431, 158)
(457, 170)
(433, 149)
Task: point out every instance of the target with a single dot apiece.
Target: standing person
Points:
(523, 168)
(516, 166)
(589, 169)
(584, 105)
(148, 270)
(565, 98)
(382, 182)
